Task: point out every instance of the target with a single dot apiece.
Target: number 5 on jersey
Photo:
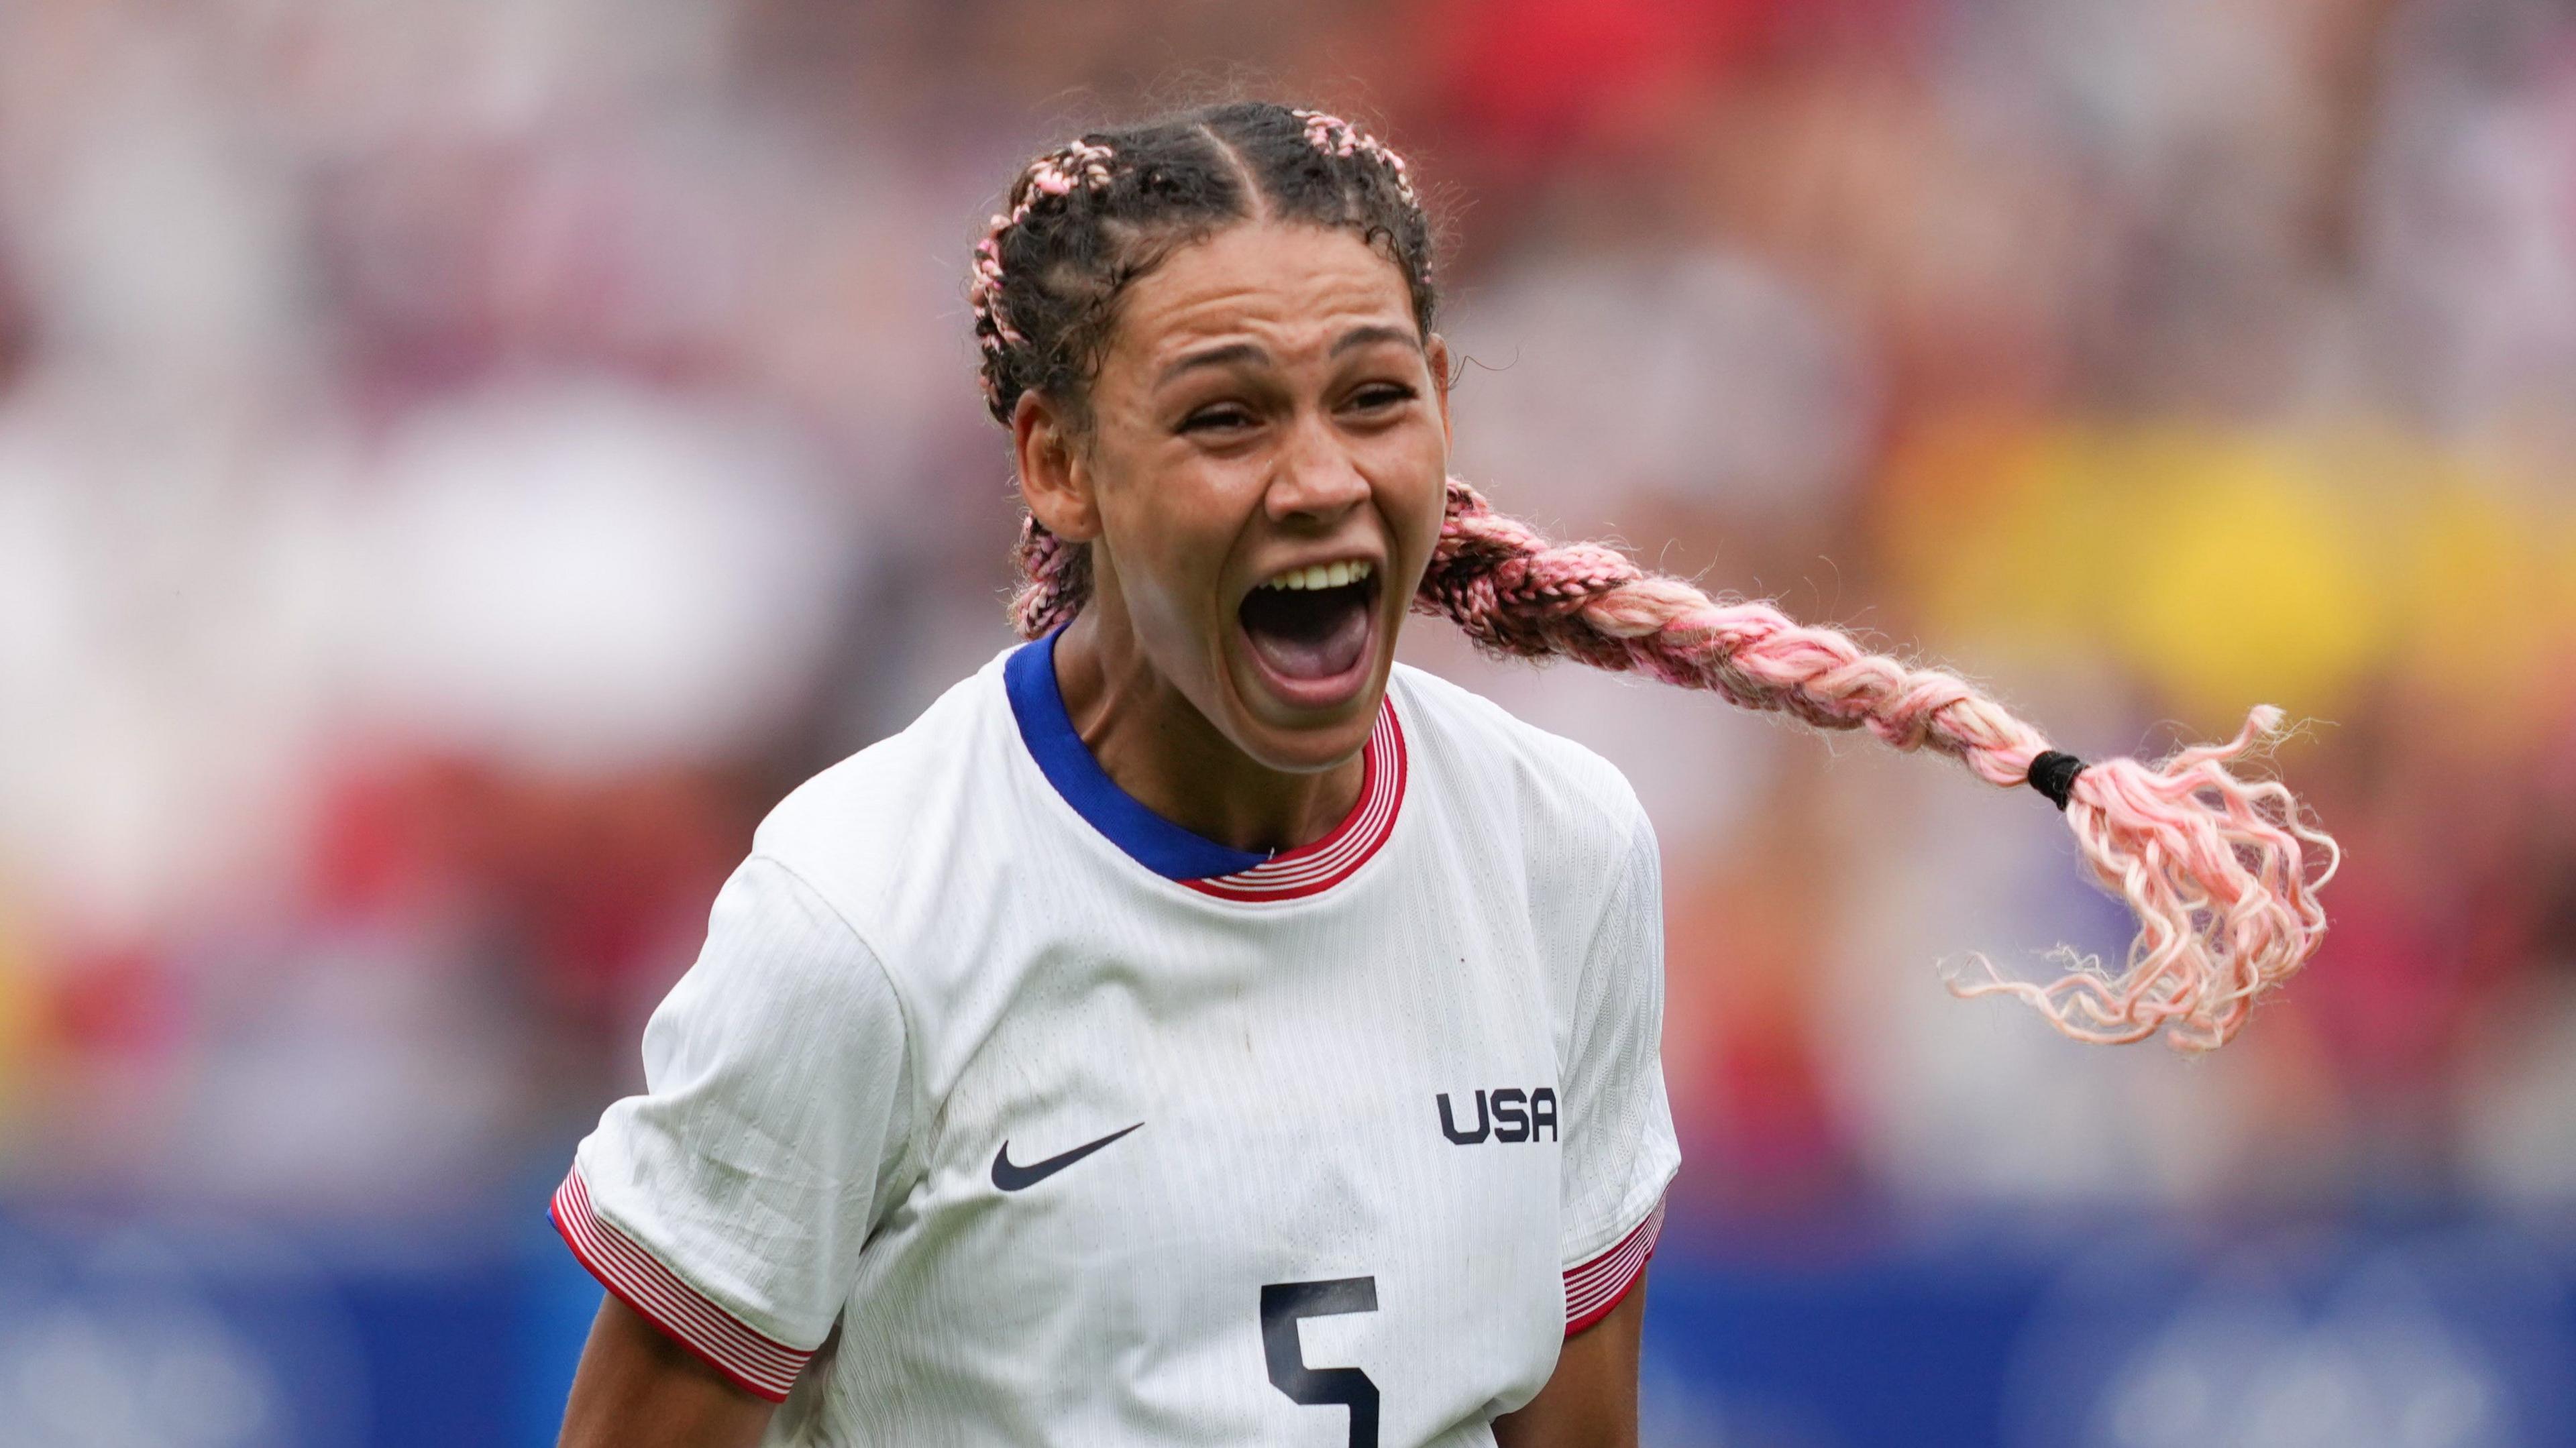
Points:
(1282, 1304)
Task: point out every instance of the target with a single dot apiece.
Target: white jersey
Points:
(999, 1109)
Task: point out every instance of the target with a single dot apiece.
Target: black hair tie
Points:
(2053, 774)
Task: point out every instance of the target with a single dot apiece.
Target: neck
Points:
(1157, 745)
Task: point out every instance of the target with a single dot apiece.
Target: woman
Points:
(1197, 1029)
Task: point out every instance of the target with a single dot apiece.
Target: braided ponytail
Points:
(2217, 869)
(2221, 872)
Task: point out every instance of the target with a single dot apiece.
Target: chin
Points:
(1300, 746)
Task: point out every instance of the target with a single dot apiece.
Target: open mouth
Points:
(1310, 628)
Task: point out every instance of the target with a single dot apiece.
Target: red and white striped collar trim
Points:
(1315, 868)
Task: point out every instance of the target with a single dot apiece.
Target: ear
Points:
(1054, 480)
(1436, 353)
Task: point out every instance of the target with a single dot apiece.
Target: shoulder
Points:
(867, 831)
(1568, 804)
(1542, 817)
(1549, 825)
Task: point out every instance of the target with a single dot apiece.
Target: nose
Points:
(1316, 480)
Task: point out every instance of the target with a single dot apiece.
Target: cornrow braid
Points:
(1080, 164)
(2220, 871)
(1341, 138)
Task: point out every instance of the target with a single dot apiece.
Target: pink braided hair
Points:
(1055, 580)
(2215, 868)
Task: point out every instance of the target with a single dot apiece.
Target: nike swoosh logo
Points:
(1015, 1178)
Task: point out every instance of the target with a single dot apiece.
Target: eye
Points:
(1216, 419)
(1381, 395)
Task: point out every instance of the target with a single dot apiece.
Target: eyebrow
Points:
(1374, 332)
(1233, 352)
(1225, 356)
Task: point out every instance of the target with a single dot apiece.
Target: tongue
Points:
(1308, 634)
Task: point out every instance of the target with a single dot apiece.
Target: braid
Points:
(1078, 165)
(1055, 578)
(1340, 138)
(2215, 867)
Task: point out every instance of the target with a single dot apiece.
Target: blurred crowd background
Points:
(460, 463)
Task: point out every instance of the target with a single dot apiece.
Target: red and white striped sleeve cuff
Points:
(1597, 1286)
(750, 1360)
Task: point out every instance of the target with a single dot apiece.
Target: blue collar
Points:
(1161, 846)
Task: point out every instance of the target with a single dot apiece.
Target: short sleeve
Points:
(1619, 1148)
(729, 1202)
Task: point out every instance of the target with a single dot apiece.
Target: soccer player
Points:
(1197, 1029)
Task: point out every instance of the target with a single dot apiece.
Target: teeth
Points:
(1322, 575)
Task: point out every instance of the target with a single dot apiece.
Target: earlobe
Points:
(1053, 480)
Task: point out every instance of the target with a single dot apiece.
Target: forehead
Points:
(1293, 288)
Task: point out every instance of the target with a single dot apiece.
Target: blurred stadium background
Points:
(461, 462)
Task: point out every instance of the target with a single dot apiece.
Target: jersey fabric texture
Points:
(999, 1109)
